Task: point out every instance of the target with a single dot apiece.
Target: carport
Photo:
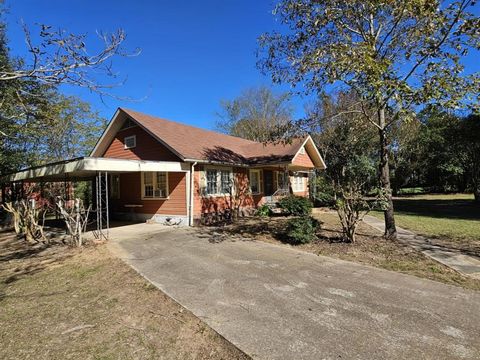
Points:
(94, 169)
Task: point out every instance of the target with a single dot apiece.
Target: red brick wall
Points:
(206, 204)
(131, 193)
(148, 148)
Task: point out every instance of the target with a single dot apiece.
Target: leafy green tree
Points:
(67, 127)
(440, 151)
(470, 144)
(395, 54)
(257, 114)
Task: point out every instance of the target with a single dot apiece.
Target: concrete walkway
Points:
(276, 302)
(453, 258)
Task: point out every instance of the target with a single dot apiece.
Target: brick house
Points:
(167, 171)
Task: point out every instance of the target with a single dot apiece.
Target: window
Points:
(282, 182)
(298, 183)
(218, 181)
(130, 141)
(154, 185)
(256, 181)
(212, 181)
(114, 186)
(225, 182)
(302, 150)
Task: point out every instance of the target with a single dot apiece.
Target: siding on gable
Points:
(303, 160)
(147, 147)
(131, 193)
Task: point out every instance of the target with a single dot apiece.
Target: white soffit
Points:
(88, 166)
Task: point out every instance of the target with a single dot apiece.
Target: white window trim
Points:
(219, 180)
(134, 137)
(260, 178)
(302, 150)
(298, 184)
(142, 189)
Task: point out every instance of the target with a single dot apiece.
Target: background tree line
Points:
(437, 150)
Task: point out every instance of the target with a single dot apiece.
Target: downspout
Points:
(190, 200)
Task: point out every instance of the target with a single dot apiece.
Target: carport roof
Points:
(87, 167)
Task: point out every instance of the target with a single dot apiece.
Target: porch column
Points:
(286, 176)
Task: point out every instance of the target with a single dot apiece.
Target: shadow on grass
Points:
(19, 259)
(246, 229)
(438, 208)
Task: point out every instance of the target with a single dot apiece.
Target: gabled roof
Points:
(192, 143)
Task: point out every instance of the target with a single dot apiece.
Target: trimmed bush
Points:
(296, 205)
(302, 230)
(264, 211)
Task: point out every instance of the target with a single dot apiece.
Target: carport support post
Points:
(106, 202)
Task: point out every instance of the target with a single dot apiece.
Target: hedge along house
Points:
(160, 170)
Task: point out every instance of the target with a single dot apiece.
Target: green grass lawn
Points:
(451, 217)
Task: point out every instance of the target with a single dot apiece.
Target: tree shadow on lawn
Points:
(264, 228)
(246, 229)
(438, 208)
(19, 259)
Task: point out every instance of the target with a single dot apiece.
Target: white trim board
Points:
(88, 166)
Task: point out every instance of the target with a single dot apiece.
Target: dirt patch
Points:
(370, 248)
(58, 303)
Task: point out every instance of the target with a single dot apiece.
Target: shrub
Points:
(296, 205)
(301, 230)
(322, 192)
(264, 210)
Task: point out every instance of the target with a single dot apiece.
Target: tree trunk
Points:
(384, 178)
(476, 194)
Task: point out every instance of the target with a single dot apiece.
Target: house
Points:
(156, 169)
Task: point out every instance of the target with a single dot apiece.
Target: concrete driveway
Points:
(275, 302)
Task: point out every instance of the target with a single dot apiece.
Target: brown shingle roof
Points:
(198, 144)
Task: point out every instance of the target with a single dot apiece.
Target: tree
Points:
(67, 127)
(61, 57)
(470, 143)
(257, 114)
(395, 54)
(440, 151)
(28, 84)
(37, 123)
(352, 204)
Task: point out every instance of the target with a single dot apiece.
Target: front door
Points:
(268, 182)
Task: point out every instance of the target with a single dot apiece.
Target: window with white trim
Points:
(218, 181)
(130, 142)
(298, 184)
(256, 181)
(154, 185)
(302, 150)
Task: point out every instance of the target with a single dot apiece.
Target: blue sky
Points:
(194, 53)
